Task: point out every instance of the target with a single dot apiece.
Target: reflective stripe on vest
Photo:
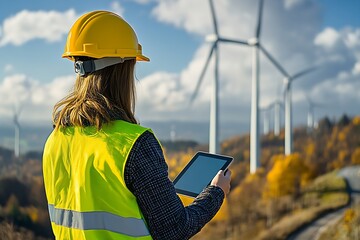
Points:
(98, 221)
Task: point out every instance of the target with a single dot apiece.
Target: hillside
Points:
(264, 205)
(259, 202)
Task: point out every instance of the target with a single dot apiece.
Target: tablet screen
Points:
(199, 172)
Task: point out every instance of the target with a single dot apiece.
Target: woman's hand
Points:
(222, 180)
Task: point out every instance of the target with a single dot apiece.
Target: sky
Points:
(300, 34)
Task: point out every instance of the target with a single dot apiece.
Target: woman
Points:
(105, 175)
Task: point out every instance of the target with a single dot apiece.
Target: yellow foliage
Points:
(349, 215)
(223, 213)
(355, 157)
(246, 154)
(186, 200)
(356, 120)
(310, 149)
(251, 178)
(340, 162)
(342, 136)
(177, 162)
(33, 213)
(287, 175)
(11, 204)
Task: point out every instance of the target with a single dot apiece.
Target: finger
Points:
(228, 173)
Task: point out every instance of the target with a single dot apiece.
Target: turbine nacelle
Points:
(253, 41)
(286, 82)
(212, 38)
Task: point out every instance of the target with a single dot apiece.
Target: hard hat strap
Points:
(84, 67)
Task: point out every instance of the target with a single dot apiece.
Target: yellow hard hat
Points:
(102, 34)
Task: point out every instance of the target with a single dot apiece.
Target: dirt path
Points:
(313, 231)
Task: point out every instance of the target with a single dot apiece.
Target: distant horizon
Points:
(36, 135)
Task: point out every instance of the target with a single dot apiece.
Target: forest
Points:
(284, 194)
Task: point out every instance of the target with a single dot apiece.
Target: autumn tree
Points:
(355, 157)
(286, 177)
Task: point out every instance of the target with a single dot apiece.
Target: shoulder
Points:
(120, 125)
(147, 142)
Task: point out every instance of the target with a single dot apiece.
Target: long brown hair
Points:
(99, 98)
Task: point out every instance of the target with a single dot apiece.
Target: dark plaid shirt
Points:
(146, 176)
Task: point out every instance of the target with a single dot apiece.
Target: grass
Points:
(10, 232)
(348, 227)
(329, 182)
(325, 194)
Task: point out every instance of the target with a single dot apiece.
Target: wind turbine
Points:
(255, 43)
(254, 127)
(288, 108)
(172, 133)
(310, 117)
(17, 111)
(266, 118)
(214, 110)
(252, 42)
(277, 107)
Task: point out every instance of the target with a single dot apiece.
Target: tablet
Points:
(199, 172)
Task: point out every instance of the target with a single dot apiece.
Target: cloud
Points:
(291, 31)
(117, 8)
(28, 25)
(15, 89)
(36, 99)
(50, 93)
(172, 12)
(352, 37)
(160, 92)
(338, 92)
(356, 69)
(235, 64)
(327, 38)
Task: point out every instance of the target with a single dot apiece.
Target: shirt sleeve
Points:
(146, 176)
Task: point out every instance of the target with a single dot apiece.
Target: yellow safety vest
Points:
(84, 181)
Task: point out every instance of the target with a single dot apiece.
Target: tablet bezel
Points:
(228, 161)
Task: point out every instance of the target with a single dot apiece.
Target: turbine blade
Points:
(213, 16)
(227, 40)
(272, 59)
(202, 74)
(302, 73)
(258, 26)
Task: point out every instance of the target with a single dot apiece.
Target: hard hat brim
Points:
(142, 58)
(71, 57)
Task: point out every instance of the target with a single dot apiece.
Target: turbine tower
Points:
(277, 107)
(311, 115)
(172, 133)
(17, 111)
(288, 108)
(266, 118)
